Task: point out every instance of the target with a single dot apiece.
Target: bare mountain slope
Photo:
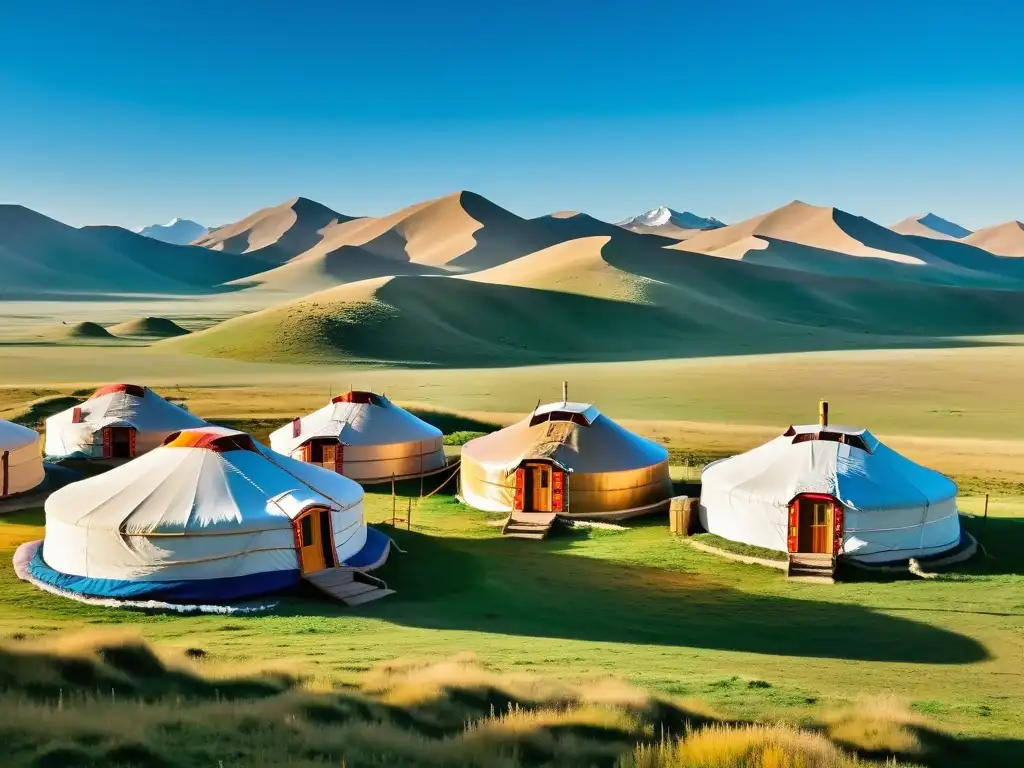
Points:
(276, 234)
(40, 256)
(931, 225)
(188, 264)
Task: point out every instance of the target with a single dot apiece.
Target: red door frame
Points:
(793, 539)
(559, 487)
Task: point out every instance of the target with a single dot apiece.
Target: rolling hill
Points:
(41, 257)
(1005, 239)
(202, 269)
(601, 299)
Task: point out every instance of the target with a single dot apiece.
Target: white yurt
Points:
(365, 437)
(569, 459)
(831, 490)
(21, 461)
(209, 516)
(117, 421)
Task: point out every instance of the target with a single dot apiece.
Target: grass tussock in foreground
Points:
(109, 701)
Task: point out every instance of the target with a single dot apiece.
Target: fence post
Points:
(393, 502)
(408, 516)
(986, 509)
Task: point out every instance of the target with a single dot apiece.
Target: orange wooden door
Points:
(821, 527)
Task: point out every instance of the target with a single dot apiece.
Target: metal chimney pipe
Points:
(823, 412)
(565, 391)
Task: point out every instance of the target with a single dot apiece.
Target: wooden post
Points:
(408, 516)
(421, 471)
(986, 508)
(565, 391)
(823, 413)
(393, 500)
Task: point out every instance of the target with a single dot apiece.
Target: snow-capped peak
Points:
(177, 231)
(663, 216)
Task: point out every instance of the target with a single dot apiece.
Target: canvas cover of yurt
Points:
(210, 516)
(117, 421)
(365, 437)
(567, 458)
(831, 490)
(21, 461)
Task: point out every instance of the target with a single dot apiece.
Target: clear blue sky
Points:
(133, 112)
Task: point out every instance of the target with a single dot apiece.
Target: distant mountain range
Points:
(176, 231)
(667, 222)
(459, 280)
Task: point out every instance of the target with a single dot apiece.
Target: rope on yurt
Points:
(457, 466)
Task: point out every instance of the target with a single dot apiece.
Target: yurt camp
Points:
(118, 421)
(21, 461)
(209, 516)
(830, 491)
(365, 437)
(567, 459)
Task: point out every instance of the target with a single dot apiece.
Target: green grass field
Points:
(637, 604)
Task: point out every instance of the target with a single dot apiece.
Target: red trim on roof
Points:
(211, 441)
(359, 396)
(132, 389)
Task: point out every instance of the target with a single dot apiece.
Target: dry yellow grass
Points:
(111, 699)
(751, 746)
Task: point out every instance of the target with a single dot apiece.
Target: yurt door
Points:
(314, 541)
(540, 487)
(118, 443)
(332, 457)
(815, 521)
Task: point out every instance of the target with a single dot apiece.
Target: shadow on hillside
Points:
(540, 589)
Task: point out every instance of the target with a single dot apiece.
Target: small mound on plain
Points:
(148, 327)
(83, 331)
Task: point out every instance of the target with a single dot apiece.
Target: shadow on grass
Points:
(543, 589)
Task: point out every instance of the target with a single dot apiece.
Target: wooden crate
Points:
(682, 513)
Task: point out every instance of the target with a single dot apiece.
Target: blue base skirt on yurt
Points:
(373, 553)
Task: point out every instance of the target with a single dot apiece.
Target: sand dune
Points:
(575, 266)
(459, 232)
(1003, 239)
(42, 257)
(276, 234)
(931, 225)
(317, 271)
(822, 239)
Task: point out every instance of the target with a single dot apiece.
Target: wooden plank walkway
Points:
(348, 586)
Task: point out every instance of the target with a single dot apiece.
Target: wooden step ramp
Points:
(528, 525)
(811, 567)
(349, 586)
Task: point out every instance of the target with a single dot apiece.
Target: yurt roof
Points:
(553, 410)
(601, 445)
(356, 420)
(13, 436)
(868, 476)
(185, 489)
(128, 405)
